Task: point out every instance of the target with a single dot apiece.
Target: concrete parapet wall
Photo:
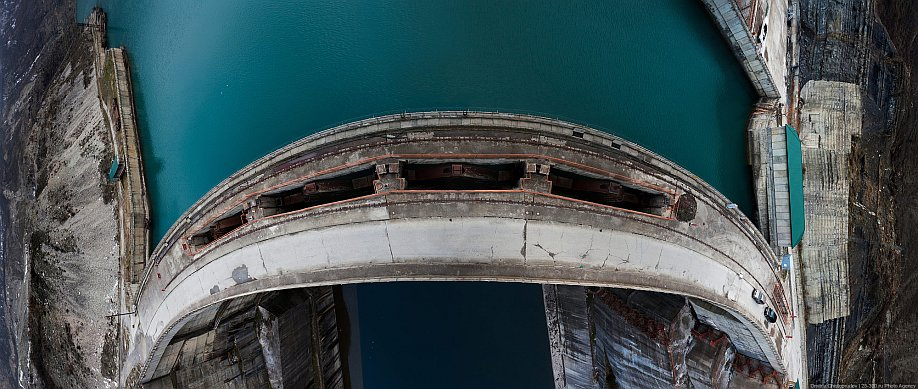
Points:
(117, 101)
(762, 56)
(491, 235)
(135, 207)
(134, 210)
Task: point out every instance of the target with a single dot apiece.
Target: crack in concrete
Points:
(550, 254)
(585, 253)
(389, 242)
(327, 253)
(525, 230)
(262, 257)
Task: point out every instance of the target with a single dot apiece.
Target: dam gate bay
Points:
(219, 85)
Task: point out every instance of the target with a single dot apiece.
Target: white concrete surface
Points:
(626, 260)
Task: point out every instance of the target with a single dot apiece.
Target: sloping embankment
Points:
(62, 214)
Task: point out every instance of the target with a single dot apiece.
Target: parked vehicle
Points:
(758, 296)
(770, 315)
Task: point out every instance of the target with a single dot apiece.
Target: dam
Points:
(462, 195)
(531, 200)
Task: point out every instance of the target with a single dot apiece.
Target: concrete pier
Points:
(830, 116)
(135, 210)
(117, 99)
(771, 164)
(762, 122)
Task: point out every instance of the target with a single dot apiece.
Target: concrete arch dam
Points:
(459, 196)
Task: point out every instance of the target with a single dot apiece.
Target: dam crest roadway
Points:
(463, 196)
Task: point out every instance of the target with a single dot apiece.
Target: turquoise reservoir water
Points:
(221, 83)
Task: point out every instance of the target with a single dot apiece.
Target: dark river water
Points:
(219, 84)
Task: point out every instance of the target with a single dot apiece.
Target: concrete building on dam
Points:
(650, 277)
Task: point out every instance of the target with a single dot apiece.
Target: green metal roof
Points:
(113, 170)
(795, 184)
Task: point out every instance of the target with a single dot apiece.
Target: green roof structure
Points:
(795, 184)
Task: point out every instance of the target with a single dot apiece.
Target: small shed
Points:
(115, 170)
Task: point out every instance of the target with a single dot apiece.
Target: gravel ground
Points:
(71, 244)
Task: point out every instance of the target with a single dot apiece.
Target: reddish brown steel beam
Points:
(557, 161)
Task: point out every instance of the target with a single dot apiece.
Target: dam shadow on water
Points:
(446, 335)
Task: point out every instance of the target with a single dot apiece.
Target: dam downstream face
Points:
(219, 85)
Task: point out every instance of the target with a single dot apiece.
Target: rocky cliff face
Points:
(62, 253)
(890, 338)
(871, 44)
